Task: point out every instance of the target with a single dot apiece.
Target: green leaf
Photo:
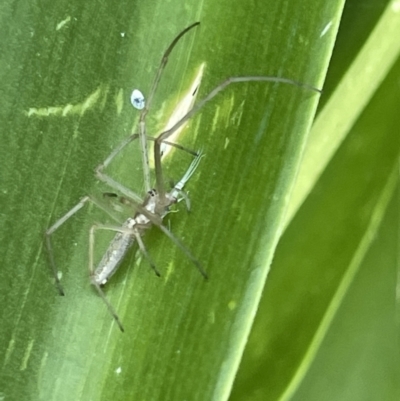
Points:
(69, 70)
(352, 94)
(327, 325)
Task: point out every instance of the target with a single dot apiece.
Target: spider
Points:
(155, 206)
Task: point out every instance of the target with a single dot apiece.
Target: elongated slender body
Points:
(115, 253)
(134, 227)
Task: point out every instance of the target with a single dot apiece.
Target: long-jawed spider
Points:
(151, 210)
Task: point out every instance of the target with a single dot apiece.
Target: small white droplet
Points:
(118, 370)
(137, 99)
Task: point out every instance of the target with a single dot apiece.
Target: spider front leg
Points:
(199, 105)
(142, 125)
